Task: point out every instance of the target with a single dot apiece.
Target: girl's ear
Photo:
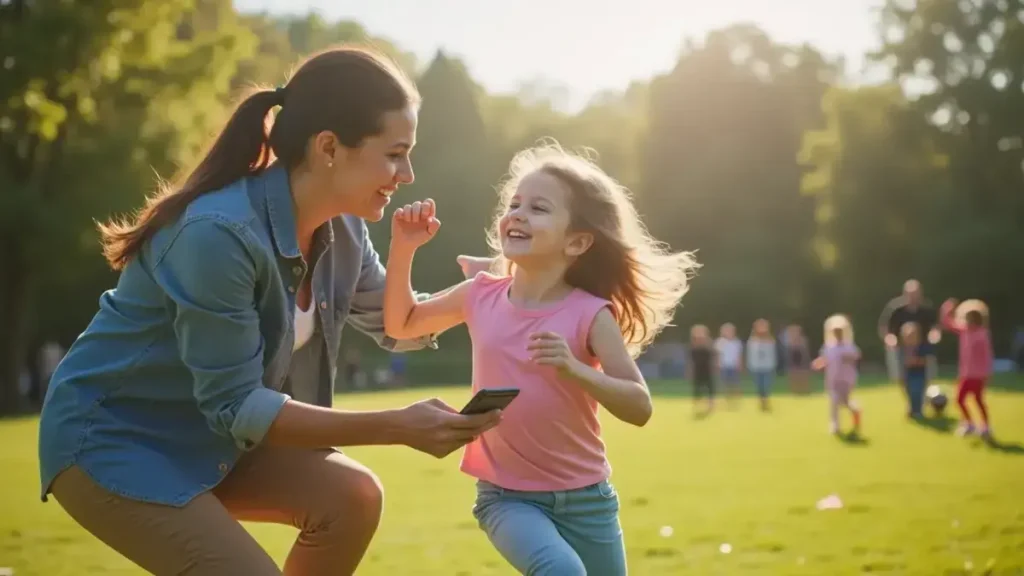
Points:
(578, 243)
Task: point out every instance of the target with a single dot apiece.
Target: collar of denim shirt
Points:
(276, 191)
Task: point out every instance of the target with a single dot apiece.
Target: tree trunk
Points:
(39, 172)
(33, 356)
(14, 317)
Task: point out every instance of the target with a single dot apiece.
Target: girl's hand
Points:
(473, 265)
(818, 364)
(551, 349)
(413, 225)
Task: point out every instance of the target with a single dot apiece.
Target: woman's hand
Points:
(413, 225)
(435, 428)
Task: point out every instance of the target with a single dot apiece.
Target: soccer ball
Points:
(937, 398)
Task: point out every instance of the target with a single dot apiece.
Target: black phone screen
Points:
(490, 399)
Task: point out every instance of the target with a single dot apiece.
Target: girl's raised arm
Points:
(405, 318)
(947, 316)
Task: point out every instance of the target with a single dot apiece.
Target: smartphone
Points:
(490, 399)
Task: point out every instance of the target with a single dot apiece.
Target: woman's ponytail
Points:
(345, 90)
(240, 149)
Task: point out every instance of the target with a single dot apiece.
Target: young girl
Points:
(838, 358)
(915, 367)
(702, 366)
(969, 320)
(761, 360)
(586, 288)
(729, 349)
(798, 359)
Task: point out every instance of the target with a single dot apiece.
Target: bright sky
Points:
(588, 45)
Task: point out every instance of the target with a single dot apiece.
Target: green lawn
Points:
(917, 499)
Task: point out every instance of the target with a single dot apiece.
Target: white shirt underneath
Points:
(729, 352)
(761, 355)
(303, 324)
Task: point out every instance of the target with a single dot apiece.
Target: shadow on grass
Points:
(1014, 448)
(943, 423)
(702, 414)
(853, 439)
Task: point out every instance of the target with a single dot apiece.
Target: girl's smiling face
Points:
(536, 222)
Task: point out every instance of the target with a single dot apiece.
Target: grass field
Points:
(916, 498)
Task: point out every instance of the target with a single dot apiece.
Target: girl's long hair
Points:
(972, 305)
(642, 277)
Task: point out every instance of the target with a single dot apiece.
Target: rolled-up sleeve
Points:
(209, 273)
(366, 312)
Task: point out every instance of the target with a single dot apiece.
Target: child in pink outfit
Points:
(838, 358)
(584, 289)
(550, 436)
(970, 322)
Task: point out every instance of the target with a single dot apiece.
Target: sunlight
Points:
(589, 46)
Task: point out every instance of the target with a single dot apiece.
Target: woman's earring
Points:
(330, 164)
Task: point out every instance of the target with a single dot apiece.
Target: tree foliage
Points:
(802, 196)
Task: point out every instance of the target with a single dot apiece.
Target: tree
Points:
(613, 125)
(720, 176)
(970, 56)
(114, 90)
(965, 62)
(874, 171)
(453, 165)
(284, 41)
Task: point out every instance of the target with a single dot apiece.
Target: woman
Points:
(177, 412)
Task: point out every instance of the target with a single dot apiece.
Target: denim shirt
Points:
(189, 359)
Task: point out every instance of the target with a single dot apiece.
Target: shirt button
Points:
(323, 305)
(297, 270)
(222, 467)
(291, 289)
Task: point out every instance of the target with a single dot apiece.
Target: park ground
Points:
(734, 493)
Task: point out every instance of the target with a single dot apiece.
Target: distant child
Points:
(969, 320)
(762, 360)
(839, 357)
(584, 289)
(702, 366)
(915, 352)
(730, 361)
(798, 359)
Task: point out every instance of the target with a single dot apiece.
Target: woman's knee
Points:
(367, 495)
(349, 493)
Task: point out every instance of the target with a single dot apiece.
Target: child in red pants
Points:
(969, 321)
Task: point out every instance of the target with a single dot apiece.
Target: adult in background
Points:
(199, 394)
(1017, 347)
(910, 306)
